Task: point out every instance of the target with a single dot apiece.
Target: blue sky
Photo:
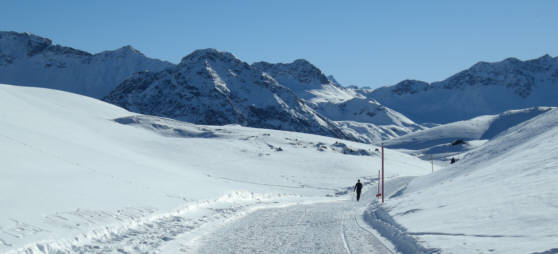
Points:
(363, 43)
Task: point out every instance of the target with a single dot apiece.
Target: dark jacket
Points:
(358, 187)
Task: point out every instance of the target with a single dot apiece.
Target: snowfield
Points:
(440, 141)
(500, 198)
(78, 175)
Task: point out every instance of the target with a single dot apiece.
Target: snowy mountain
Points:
(305, 80)
(483, 89)
(363, 117)
(30, 60)
(212, 87)
(83, 176)
(500, 198)
(447, 140)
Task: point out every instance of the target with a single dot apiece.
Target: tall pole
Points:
(382, 172)
(431, 160)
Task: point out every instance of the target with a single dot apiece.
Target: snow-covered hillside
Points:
(444, 140)
(306, 81)
(76, 170)
(501, 198)
(483, 89)
(365, 118)
(213, 87)
(30, 60)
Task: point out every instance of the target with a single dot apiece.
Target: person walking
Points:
(358, 188)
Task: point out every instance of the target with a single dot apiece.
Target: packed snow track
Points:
(332, 227)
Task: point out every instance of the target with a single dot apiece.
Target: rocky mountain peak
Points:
(410, 86)
(209, 55)
(16, 44)
(128, 49)
(300, 70)
(332, 79)
(31, 60)
(485, 88)
(545, 60)
(125, 51)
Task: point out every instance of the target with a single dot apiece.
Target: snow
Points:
(364, 118)
(81, 175)
(327, 227)
(438, 141)
(500, 198)
(31, 60)
(483, 89)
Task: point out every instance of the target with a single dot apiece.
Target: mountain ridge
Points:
(209, 87)
(66, 68)
(483, 89)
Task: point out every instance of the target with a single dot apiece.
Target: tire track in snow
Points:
(344, 237)
(371, 234)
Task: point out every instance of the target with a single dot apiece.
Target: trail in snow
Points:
(332, 227)
(145, 237)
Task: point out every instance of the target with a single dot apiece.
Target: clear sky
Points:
(363, 43)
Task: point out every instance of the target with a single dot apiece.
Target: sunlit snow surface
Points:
(500, 198)
(80, 175)
(75, 171)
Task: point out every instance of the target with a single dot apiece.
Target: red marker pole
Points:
(382, 172)
(378, 194)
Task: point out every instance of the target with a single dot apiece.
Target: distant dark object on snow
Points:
(458, 142)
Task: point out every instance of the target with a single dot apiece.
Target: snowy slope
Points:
(77, 172)
(483, 89)
(438, 140)
(354, 113)
(501, 198)
(30, 60)
(306, 81)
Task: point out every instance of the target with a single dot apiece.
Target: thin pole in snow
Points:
(382, 172)
(432, 163)
(378, 184)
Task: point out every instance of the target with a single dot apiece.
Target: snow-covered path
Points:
(332, 227)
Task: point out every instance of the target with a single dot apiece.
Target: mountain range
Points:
(484, 89)
(31, 60)
(217, 88)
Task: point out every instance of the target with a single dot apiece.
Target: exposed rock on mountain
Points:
(212, 87)
(483, 89)
(31, 60)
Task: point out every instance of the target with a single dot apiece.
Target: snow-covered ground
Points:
(439, 142)
(325, 227)
(500, 198)
(81, 175)
(78, 175)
